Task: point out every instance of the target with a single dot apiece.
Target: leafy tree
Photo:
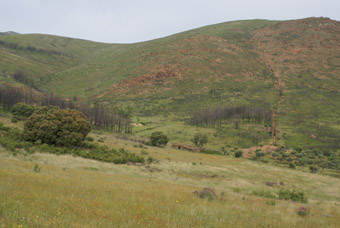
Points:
(22, 110)
(158, 138)
(200, 139)
(56, 126)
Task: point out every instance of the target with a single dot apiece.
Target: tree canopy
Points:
(158, 138)
(22, 110)
(200, 139)
(56, 126)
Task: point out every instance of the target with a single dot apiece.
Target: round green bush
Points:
(22, 110)
(56, 126)
(158, 138)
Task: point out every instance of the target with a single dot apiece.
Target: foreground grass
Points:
(76, 192)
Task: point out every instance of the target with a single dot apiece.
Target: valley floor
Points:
(45, 190)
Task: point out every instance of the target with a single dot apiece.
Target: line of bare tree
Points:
(15, 46)
(214, 117)
(97, 114)
(19, 76)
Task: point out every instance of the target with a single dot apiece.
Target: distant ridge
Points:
(8, 33)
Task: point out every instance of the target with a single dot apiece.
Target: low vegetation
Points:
(57, 131)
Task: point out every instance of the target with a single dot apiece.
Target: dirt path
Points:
(278, 85)
(274, 65)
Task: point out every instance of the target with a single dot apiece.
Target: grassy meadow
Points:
(45, 190)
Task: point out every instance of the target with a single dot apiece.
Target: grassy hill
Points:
(40, 56)
(292, 67)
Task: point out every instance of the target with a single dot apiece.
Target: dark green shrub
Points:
(293, 195)
(292, 166)
(102, 153)
(260, 154)
(23, 110)
(224, 151)
(56, 126)
(158, 138)
(327, 153)
(14, 120)
(208, 151)
(238, 154)
(264, 194)
(7, 143)
(11, 140)
(149, 160)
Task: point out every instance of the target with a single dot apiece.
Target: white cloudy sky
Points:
(127, 21)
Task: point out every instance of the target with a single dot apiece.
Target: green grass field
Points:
(75, 192)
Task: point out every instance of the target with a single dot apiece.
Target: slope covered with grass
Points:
(289, 67)
(43, 190)
(40, 56)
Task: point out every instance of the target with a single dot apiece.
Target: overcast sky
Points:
(128, 21)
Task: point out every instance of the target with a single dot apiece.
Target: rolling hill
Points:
(279, 166)
(292, 67)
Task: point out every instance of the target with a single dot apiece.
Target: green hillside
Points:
(185, 67)
(40, 56)
(290, 67)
